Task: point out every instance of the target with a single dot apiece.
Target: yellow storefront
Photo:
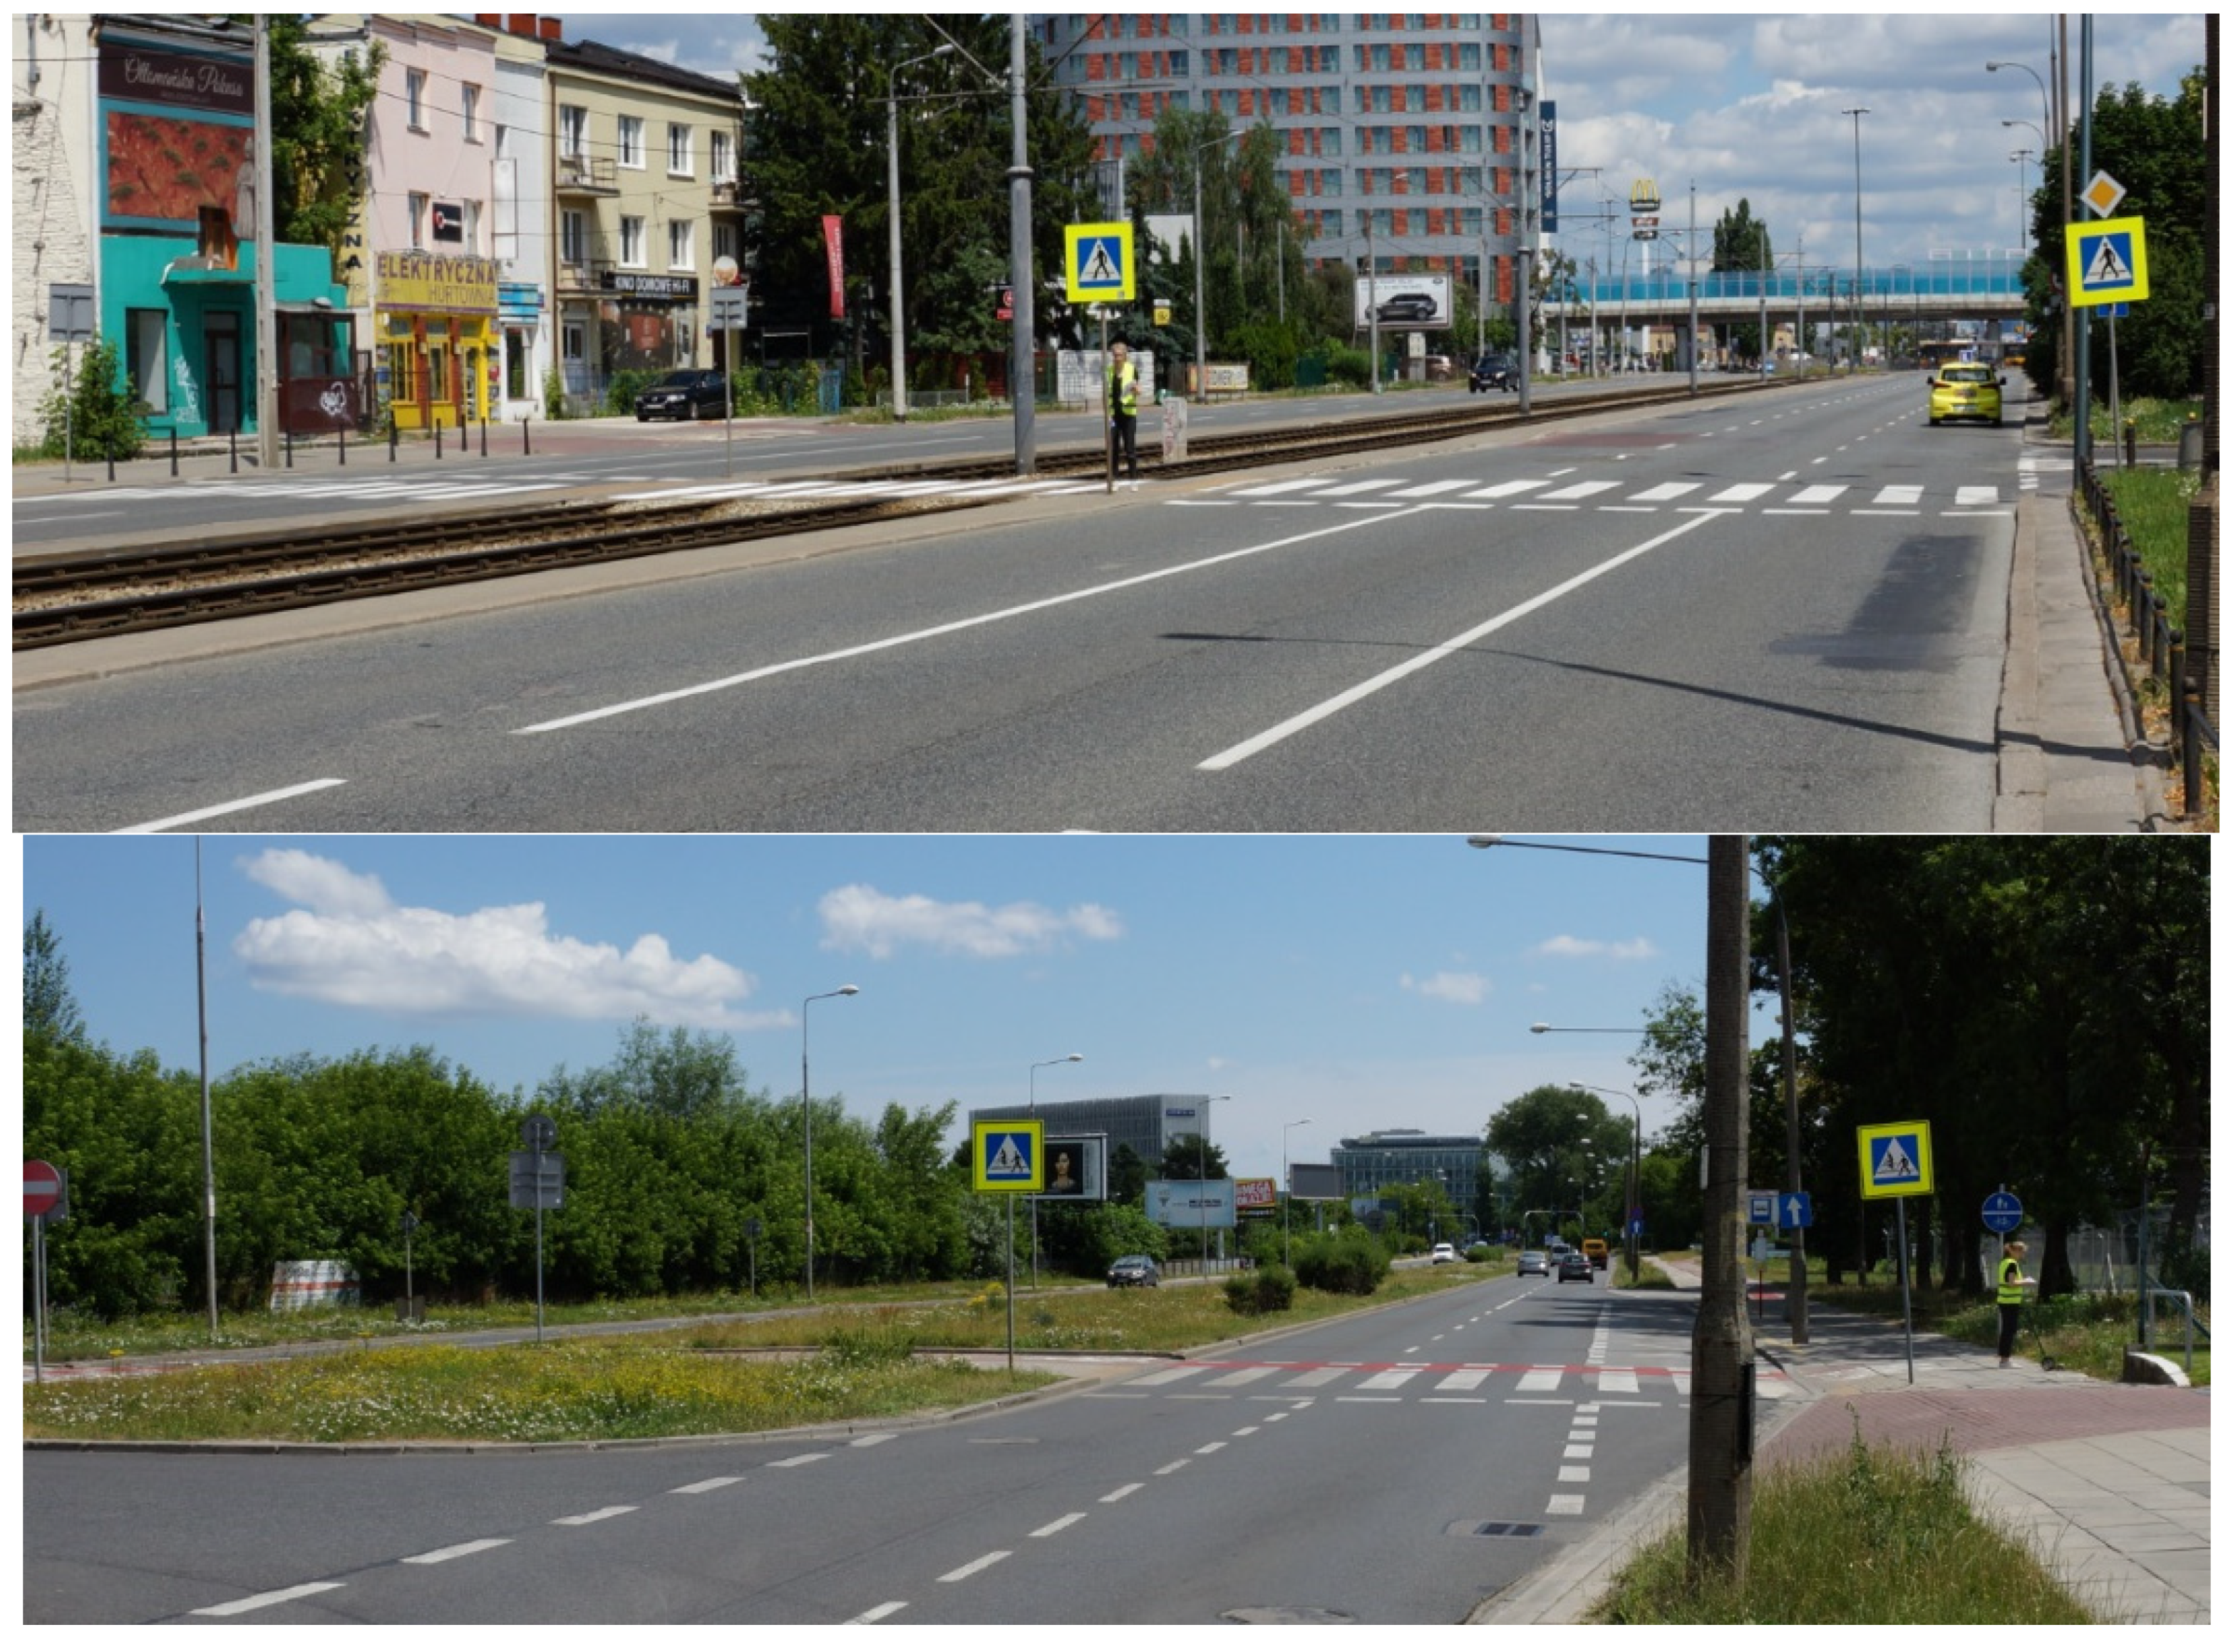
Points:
(435, 316)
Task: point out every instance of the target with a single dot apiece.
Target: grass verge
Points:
(1875, 1536)
(629, 1388)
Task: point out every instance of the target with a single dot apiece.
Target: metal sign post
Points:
(538, 1180)
(727, 309)
(70, 321)
(46, 1198)
(1895, 1162)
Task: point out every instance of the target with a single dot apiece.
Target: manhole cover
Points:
(1286, 1615)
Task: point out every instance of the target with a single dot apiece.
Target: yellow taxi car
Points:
(1965, 390)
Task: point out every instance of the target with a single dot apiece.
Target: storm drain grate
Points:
(1507, 1528)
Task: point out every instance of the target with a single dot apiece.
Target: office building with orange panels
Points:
(1412, 133)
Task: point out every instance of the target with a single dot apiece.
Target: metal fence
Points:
(2162, 645)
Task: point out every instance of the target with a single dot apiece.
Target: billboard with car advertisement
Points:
(1416, 301)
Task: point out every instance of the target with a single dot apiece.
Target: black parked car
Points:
(1134, 1270)
(1490, 372)
(686, 392)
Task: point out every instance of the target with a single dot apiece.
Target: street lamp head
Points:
(847, 991)
(1541, 1026)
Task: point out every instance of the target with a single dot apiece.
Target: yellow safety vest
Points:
(1126, 396)
(2011, 1271)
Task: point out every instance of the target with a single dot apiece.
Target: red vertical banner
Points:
(833, 236)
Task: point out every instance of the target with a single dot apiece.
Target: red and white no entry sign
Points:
(43, 1186)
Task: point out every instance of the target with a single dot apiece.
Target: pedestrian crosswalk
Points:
(1462, 1382)
(1556, 493)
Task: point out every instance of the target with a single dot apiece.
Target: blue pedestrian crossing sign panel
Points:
(2108, 261)
(1895, 1159)
(2003, 1212)
(1098, 262)
(1005, 1156)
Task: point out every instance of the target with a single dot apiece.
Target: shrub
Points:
(1261, 1291)
(554, 395)
(97, 416)
(1349, 366)
(873, 1342)
(1349, 1262)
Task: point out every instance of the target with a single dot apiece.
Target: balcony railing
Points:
(588, 175)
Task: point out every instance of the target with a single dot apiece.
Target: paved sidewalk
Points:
(2073, 757)
(2109, 1484)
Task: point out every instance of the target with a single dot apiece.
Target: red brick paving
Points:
(1976, 1420)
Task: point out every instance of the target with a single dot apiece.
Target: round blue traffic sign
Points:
(2003, 1212)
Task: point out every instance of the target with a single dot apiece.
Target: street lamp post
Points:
(1635, 1162)
(806, 1119)
(2019, 156)
(2047, 125)
(1200, 257)
(1032, 1082)
(1859, 303)
(892, 212)
(1202, 1145)
(1287, 1205)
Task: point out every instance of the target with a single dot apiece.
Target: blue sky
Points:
(1747, 105)
(1362, 983)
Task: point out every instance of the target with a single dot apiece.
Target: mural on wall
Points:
(168, 169)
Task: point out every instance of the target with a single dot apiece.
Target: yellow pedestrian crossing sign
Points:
(1895, 1159)
(2108, 261)
(1005, 1156)
(1098, 262)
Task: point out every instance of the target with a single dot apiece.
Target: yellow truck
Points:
(1595, 1250)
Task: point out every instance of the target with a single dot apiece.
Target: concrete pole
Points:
(1023, 382)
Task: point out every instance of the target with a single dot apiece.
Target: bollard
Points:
(485, 434)
(392, 428)
(437, 438)
(112, 463)
(2159, 637)
(526, 447)
(233, 450)
(288, 436)
(174, 452)
(2132, 444)
(343, 432)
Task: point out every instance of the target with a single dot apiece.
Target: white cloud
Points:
(860, 919)
(348, 942)
(1452, 987)
(1620, 951)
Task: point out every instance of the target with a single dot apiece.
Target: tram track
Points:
(79, 595)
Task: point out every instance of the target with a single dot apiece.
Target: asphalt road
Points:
(1395, 1468)
(1778, 613)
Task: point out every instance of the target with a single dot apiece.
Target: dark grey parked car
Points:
(1489, 373)
(1134, 1270)
(686, 392)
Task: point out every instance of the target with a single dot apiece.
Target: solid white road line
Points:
(950, 627)
(234, 807)
(1324, 709)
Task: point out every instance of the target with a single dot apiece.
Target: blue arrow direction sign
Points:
(2003, 1212)
(1795, 1210)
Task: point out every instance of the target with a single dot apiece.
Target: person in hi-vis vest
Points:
(1124, 409)
(2010, 1294)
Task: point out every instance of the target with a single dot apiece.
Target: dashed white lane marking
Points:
(877, 1614)
(595, 1515)
(232, 807)
(256, 1603)
(713, 1485)
(976, 1565)
(1124, 1491)
(1063, 1525)
(455, 1552)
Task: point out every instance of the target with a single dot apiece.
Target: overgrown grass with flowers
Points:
(600, 1389)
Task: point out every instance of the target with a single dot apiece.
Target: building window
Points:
(146, 342)
(632, 243)
(418, 221)
(573, 132)
(725, 241)
(414, 98)
(678, 245)
(573, 238)
(678, 151)
(470, 107)
(473, 227)
(632, 141)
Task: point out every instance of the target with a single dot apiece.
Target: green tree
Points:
(1540, 1136)
(2155, 148)
(1741, 243)
(49, 1007)
(318, 109)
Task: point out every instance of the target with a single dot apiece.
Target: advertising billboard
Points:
(1413, 301)
(1076, 1168)
(1190, 1204)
